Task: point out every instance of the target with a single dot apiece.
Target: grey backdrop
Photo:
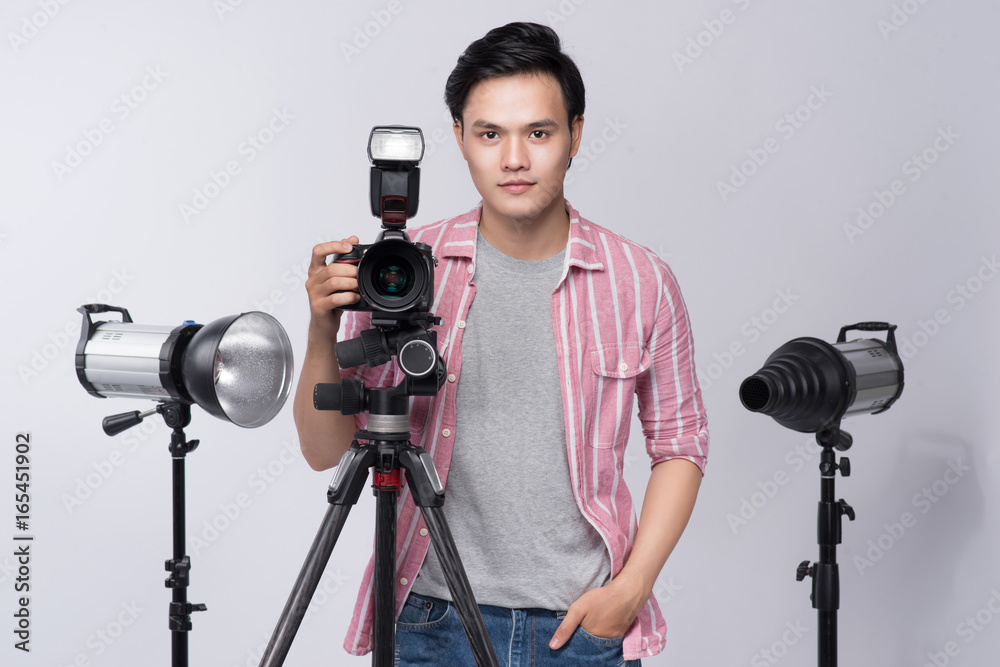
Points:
(801, 166)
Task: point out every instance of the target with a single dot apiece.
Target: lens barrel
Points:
(394, 276)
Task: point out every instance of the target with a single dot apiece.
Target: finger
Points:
(337, 283)
(338, 300)
(565, 629)
(323, 250)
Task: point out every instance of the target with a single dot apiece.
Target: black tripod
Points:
(386, 448)
(826, 573)
(176, 415)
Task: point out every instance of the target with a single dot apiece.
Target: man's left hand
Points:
(603, 612)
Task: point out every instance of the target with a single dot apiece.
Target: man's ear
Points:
(576, 134)
(457, 128)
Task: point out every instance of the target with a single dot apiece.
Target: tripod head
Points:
(414, 344)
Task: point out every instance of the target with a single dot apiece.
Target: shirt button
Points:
(451, 377)
(446, 432)
(471, 268)
(423, 532)
(461, 324)
(623, 367)
(403, 581)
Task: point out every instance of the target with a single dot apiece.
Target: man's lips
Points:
(516, 186)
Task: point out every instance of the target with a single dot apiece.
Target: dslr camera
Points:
(395, 275)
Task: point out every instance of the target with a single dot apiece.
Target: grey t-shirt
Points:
(509, 501)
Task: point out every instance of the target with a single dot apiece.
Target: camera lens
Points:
(394, 278)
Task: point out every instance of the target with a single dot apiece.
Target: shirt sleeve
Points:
(671, 410)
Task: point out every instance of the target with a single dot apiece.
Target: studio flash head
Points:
(237, 368)
(809, 385)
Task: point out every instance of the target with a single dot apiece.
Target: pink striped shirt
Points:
(621, 328)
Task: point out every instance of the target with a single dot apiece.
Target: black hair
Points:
(516, 48)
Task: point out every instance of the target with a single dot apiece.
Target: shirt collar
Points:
(581, 249)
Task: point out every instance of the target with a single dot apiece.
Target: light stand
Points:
(809, 385)
(236, 368)
(826, 573)
(176, 416)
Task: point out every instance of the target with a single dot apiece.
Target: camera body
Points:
(395, 275)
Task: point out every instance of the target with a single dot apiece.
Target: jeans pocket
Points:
(422, 612)
(600, 641)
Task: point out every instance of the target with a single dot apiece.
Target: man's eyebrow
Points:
(538, 124)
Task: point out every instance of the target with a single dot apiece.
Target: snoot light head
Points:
(809, 385)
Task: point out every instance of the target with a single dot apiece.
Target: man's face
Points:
(517, 139)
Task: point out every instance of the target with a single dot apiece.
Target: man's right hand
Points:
(330, 287)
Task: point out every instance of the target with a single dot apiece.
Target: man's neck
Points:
(529, 239)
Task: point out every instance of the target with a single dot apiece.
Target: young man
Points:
(550, 325)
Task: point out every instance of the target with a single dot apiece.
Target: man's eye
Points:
(539, 134)
(490, 135)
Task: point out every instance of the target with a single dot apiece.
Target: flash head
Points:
(395, 152)
(394, 144)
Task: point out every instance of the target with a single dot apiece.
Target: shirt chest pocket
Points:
(610, 390)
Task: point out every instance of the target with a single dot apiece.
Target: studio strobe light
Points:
(809, 385)
(236, 368)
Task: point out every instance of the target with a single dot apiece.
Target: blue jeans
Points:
(429, 632)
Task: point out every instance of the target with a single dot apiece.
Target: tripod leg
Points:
(428, 494)
(384, 646)
(305, 585)
(343, 494)
(458, 585)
